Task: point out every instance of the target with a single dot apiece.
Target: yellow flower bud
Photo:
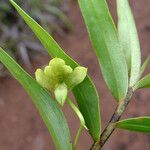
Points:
(58, 77)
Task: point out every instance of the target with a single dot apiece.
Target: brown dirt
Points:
(21, 128)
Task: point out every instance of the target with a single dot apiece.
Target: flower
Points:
(59, 78)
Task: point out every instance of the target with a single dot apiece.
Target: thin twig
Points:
(77, 136)
(82, 122)
(111, 125)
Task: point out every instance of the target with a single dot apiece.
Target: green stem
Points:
(77, 136)
(82, 122)
(77, 111)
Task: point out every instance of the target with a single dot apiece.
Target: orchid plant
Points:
(119, 56)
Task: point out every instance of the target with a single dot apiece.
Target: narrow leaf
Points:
(47, 107)
(144, 66)
(85, 93)
(140, 124)
(143, 83)
(129, 40)
(105, 41)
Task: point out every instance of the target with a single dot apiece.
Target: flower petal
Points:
(67, 70)
(42, 79)
(61, 93)
(57, 62)
(76, 77)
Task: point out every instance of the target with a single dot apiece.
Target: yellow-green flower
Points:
(58, 77)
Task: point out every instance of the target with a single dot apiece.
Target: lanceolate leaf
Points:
(141, 124)
(144, 66)
(85, 93)
(105, 41)
(47, 107)
(129, 39)
(143, 83)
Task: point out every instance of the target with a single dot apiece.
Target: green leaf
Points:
(105, 41)
(143, 83)
(144, 66)
(129, 40)
(85, 93)
(140, 124)
(47, 107)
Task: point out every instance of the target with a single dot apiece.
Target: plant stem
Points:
(77, 136)
(82, 122)
(111, 125)
(77, 111)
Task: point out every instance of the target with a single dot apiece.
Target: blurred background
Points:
(21, 127)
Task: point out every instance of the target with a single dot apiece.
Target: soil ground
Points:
(21, 128)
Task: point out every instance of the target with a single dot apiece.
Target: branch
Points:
(111, 125)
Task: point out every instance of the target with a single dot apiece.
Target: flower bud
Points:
(58, 77)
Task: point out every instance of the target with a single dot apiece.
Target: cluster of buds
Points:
(59, 78)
